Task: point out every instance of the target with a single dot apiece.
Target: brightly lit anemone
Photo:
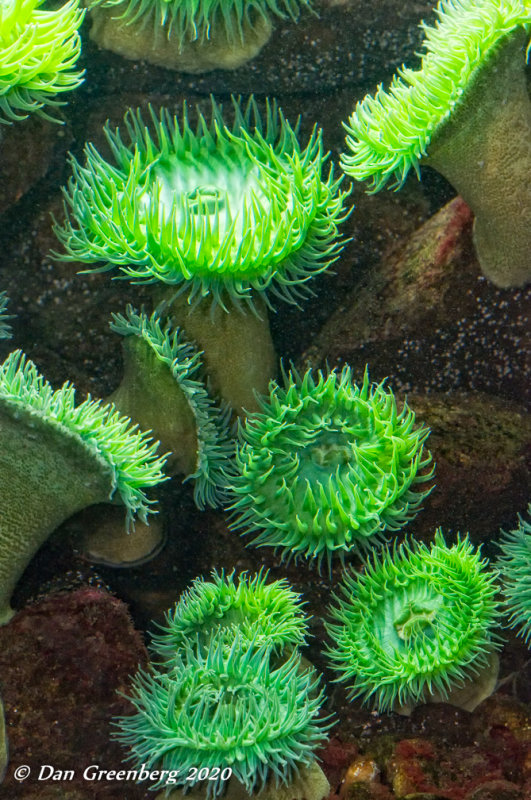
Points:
(217, 211)
(163, 390)
(466, 112)
(515, 570)
(260, 611)
(39, 48)
(327, 465)
(417, 620)
(57, 458)
(188, 35)
(226, 708)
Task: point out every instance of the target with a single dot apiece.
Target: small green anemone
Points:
(163, 391)
(259, 611)
(515, 570)
(224, 708)
(466, 112)
(217, 211)
(418, 620)
(56, 458)
(38, 53)
(327, 465)
(5, 327)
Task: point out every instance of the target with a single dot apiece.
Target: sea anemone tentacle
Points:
(515, 571)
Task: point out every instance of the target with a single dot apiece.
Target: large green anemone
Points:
(189, 35)
(327, 465)
(162, 389)
(466, 112)
(260, 612)
(39, 49)
(56, 458)
(418, 620)
(213, 211)
(227, 707)
(515, 570)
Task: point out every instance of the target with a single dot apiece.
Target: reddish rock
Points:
(62, 663)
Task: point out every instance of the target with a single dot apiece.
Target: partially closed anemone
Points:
(249, 606)
(57, 458)
(214, 211)
(227, 707)
(466, 112)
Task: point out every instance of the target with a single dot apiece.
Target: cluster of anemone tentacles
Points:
(231, 689)
(39, 48)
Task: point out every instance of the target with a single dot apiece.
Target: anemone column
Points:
(484, 150)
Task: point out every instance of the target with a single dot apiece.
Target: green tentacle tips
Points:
(109, 436)
(5, 327)
(327, 466)
(226, 707)
(418, 620)
(259, 611)
(216, 210)
(389, 132)
(515, 570)
(214, 447)
(39, 49)
(196, 20)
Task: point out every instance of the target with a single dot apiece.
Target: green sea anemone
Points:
(466, 112)
(327, 465)
(5, 327)
(57, 458)
(515, 570)
(226, 708)
(38, 52)
(217, 211)
(226, 217)
(260, 612)
(163, 391)
(188, 35)
(418, 620)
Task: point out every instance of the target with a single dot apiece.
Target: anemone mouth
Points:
(418, 620)
(327, 465)
(213, 211)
